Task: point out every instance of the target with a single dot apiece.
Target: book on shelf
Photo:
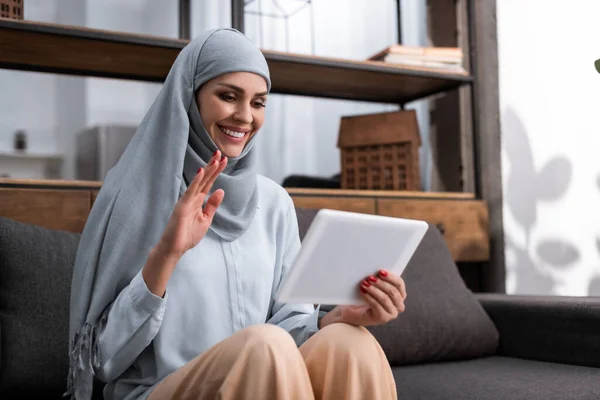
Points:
(444, 58)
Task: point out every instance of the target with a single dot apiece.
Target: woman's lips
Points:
(234, 134)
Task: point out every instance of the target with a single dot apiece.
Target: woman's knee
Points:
(269, 336)
(345, 338)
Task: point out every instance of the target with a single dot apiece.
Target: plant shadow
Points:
(526, 188)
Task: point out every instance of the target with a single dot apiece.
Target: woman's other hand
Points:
(384, 294)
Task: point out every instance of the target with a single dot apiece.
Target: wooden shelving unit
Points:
(41, 47)
(472, 222)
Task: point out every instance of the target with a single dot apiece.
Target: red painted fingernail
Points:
(363, 290)
(215, 153)
(366, 283)
(372, 279)
(199, 169)
(214, 162)
(383, 273)
(222, 158)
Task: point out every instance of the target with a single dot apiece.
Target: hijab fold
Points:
(140, 191)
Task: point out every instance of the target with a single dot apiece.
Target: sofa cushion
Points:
(443, 320)
(497, 378)
(35, 276)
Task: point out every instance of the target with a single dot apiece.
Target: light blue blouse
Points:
(217, 288)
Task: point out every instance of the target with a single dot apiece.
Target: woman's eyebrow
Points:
(240, 90)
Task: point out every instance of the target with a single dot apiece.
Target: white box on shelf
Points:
(30, 165)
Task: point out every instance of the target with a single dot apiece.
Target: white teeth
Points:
(233, 133)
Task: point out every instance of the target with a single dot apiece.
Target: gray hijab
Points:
(139, 193)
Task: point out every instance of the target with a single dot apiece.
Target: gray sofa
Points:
(448, 344)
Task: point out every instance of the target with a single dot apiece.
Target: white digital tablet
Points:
(340, 249)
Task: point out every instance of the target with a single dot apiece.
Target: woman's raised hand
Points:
(191, 217)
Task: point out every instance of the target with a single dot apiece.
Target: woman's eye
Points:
(227, 97)
(258, 104)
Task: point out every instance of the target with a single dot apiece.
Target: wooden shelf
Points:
(463, 219)
(33, 46)
(30, 155)
(300, 192)
(49, 184)
(66, 184)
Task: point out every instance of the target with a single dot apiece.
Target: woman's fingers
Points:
(394, 280)
(208, 170)
(214, 201)
(219, 166)
(382, 298)
(190, 193)
(215, 166)
(390, 290)
(378, 311)
(199, 181)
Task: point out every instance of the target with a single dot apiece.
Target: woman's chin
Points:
(230, 147)
(231, 151)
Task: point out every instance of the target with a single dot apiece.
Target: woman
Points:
(172, 293)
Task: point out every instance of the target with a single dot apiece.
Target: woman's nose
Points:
(243, 114)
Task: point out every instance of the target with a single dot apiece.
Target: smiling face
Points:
(232, 108)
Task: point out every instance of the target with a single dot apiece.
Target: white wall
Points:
(118, 101)
(28, 99)
(549, 102)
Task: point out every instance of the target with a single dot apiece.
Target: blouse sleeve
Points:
(128, 326)
(300, 320)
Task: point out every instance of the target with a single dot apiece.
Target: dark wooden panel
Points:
(466, 105)
(90, 52)
(51, 208)
(486, 134)
(450, 130)
(464, 223)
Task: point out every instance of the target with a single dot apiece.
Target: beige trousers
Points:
(338, 362)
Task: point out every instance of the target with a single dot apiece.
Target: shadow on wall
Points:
(526, 188)
(595, 284)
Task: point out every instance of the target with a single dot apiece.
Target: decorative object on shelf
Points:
(380, 151)
(20, 141)
(443, 58)
(11, 9)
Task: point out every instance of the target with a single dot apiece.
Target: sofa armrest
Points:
(547, 328)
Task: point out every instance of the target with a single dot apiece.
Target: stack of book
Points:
(448, 59)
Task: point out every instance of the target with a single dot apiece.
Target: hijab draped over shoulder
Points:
(139, 193)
